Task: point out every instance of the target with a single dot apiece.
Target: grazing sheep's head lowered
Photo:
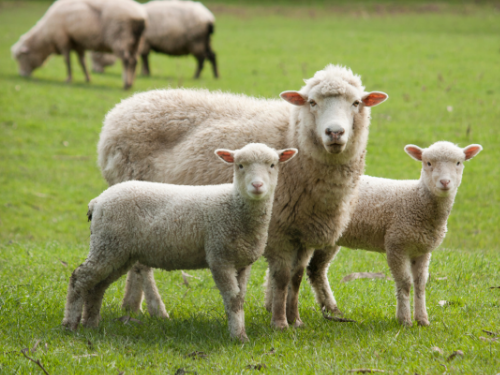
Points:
(27, 59)
(442, 165)
(331, 100)
(256, 168)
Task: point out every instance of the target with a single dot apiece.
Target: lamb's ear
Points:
(471, 151)
(414, 151)
(287, 154)
(374, 98)
(227, 156)
(294, 97)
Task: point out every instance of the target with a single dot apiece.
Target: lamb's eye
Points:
(272, 165)
(241, 166)
(429, 163)
(458, 163)
(312, 103)
(356, 103)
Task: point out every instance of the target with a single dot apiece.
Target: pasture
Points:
(439, 64)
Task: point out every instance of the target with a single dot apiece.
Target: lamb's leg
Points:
(317, 271)
(67, 60)
(81, 60)
(153, 298)
(292, 305)
(279, 279)
(201, 60)
(132, 300)
(420, 271)
(268, 296)
(145, 64)
(93, 301)
(400, 268)
(227, 280)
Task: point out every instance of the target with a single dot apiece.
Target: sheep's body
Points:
(152, 136)
(221, 227)
(99, 25)
(175, 28)
(406, 220)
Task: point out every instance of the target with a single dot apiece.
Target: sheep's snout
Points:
(257, 189)
(444, 184)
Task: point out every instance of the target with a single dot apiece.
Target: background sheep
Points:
(98, 25)
(163, 136)
(175, 28)
(404, 219)
(221, 227)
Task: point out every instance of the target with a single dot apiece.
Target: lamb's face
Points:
(256, 168)
(27, 59)
(443, 165)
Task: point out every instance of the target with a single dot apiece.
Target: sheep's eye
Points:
(458, 163)
(312, 103)
(272, 165)
(356, 103)
(429, 163)
(241, 166)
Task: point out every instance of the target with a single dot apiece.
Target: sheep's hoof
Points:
(281, 325)
(406, 323)
(423, 322)
(298, 323)
(242, 338)
(70, 326)
(328, 312)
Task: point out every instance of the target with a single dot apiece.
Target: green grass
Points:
(426, 61)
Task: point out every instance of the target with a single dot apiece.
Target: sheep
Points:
(101, 60)
(404, 219)
(175, 28)
(98, 25)
(162, 136)
(220, 227)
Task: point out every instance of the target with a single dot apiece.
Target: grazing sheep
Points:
(163, 135)
(404, 219)
(221, 227)
(98, 25)
(175, 28)
(101, 60)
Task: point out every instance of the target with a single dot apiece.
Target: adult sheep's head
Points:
(28, 58)
(331, 103)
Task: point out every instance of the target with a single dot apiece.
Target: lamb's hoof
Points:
(280, 325)
(406, 323)
(423, 322)
(298, 323)
(329, 312)
(70, 326)
(242, 338)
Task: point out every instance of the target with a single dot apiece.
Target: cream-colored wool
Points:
(221, 227)
(404, 219)
(175, 28)
(99, 25)
(166, 135)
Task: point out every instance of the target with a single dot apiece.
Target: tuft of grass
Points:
(440, 69)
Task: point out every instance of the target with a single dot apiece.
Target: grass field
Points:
(440, 65)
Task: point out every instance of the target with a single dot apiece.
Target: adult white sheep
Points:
(164, 135)
(175, 28)
(98, 25)
(221, 227)
(404, 219)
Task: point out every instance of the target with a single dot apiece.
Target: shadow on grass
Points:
(37, 80)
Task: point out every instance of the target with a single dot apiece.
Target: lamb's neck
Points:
(440, 207)
(255, 211)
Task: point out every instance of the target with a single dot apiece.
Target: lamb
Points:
(406, 220)
(98, 25)
(175, 28)
(221, 227)
(162, 135)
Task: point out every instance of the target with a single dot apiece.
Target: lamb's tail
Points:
(92, 204)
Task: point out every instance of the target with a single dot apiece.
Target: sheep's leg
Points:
(317, 271)
(279, 279)
(292, 305)
(93, 301)
(132, 300)
(268, 296)
(129, 63)
(420, 271)
(400, 268)
(145, 64)
(227, 280)
(81, 60)
(67, 60)
(201, 60)
(213, 60)
(153, 298)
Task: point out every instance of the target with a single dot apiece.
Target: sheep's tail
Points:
(92, 204)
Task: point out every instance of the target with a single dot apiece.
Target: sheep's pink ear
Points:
(374, 98)
(287, 154)
(471, 151)
(294, 97)
(226, 155)
(414, 151)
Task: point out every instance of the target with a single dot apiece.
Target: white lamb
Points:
(221, 227)
(163, 136)
(98, 25)
(405, 219)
